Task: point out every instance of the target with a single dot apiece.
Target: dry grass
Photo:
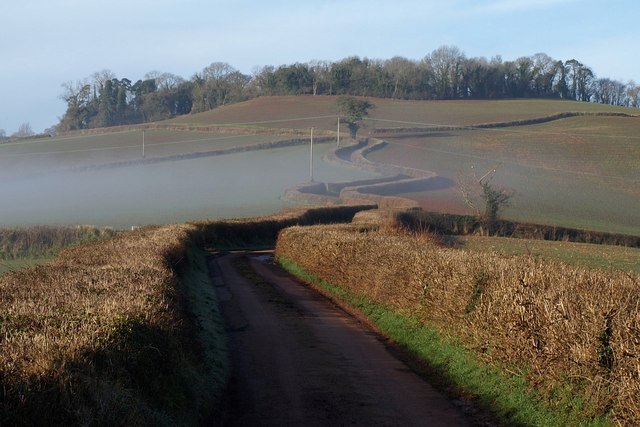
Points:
(109, 333)
(569, 331)
(80, 335)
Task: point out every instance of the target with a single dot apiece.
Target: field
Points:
(301, 112)
(19, 264)
(581, 172)
(608, 258)
(578, 171)
(61, 153)
(226, 186)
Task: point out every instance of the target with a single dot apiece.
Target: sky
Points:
(45, 43)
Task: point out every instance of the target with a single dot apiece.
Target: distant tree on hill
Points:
(633, 95)
(106, 105)
(352, 111)
(51, 130)
(445, 73)
(446, 65)
(218, 84)
(24, 131)
(580, 78)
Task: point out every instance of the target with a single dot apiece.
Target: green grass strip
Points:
(9, 265)
(212, 375)
(506, 396)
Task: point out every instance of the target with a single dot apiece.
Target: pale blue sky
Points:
(44, 43)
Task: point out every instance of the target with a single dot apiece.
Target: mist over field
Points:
(233, 185)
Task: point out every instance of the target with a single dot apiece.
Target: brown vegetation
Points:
(569, 331)
(83, 334)
(107, 334)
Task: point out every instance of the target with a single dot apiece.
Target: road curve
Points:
(298, 360)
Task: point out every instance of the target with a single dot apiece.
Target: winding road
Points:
(298, 360)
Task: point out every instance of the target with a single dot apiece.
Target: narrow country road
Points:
(297, 360)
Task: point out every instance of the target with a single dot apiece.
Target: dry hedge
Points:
(560, 326)
(105, 334)
(80, 335)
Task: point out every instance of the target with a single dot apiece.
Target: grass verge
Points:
(454, 367)
(214, 367)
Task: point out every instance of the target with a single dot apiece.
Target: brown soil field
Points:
(284, 112)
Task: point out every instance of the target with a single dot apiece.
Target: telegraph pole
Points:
(311, 157)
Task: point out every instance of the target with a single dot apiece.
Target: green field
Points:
(578, 254)
(18, 264)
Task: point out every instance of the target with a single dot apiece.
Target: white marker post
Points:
(338, 139)
(143, 143)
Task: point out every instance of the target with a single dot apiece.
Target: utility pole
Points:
(338, 139)
(311, 157)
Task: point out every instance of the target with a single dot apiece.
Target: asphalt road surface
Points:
(298, 360)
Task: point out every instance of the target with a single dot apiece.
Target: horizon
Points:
(183, 37)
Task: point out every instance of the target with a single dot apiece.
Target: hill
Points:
(306, 111)
(577, 171)
(569, 163)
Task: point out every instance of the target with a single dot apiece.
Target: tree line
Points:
(446, 73)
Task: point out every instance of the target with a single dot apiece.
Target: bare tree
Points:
(320, 72)
(24, 131)
(446, 63)
(164, 81)
(633, 94)
(217, 84)
(403, 73)
(78, 97)
(51, 130)
(481, 195)
(100, 78)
